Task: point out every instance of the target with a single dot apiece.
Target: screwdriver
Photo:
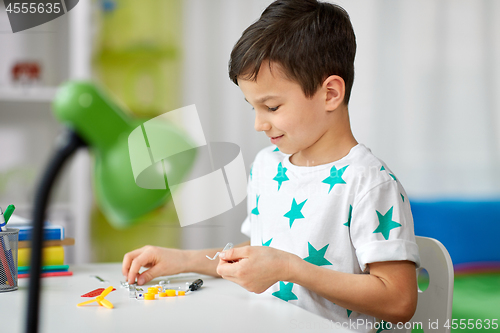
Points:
(195, 285)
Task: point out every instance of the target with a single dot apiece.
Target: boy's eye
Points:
(269, 109)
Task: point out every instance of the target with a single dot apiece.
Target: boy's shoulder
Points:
(364, 164)
(362, 156)
(360, 170)
(359, 163)
(359, 156)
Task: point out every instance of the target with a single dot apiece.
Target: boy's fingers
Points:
(136, 265)
(132, 274)
(225, 270)
(234, 254)
(230, 278)
(226, 254)
(127, 261)
(148, 275)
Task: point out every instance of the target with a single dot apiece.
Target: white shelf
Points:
(27, 94)
(63, 48)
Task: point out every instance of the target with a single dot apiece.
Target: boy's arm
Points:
(162, 261)
(197, 262)
(389, 292)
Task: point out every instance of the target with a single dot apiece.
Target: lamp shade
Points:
(105, 128)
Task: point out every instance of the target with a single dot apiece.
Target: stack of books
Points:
(54, 240)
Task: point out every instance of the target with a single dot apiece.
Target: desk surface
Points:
(219, 306)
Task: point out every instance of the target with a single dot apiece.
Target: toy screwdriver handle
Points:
(196, 285)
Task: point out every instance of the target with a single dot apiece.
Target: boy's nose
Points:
(261, 124)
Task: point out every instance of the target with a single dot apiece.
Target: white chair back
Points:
(435, 303)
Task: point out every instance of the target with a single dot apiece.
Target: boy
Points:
(330, 226)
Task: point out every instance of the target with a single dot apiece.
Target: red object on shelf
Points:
(26, 71)
(20, 276)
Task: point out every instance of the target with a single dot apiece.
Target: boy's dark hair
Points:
(311, 40)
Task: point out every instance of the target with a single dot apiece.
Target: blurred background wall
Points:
(426, 96)
(426, 100)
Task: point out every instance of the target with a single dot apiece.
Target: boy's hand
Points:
(160, 261)
(255, 268)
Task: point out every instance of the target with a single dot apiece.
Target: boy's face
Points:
(292, 121)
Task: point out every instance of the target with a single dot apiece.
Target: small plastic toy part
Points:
(162, 294)
(149, 297)
(140, 296)
(95, 293)
(131, 291)
(181, 293)
(152, 290)
(100, 299)
(159, 288)
(170, 292)
(228, 246)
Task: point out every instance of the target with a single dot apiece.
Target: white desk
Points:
(219, 306)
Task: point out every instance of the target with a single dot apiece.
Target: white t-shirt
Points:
(340, 216)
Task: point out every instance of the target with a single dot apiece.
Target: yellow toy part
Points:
(100, 299)
(152, 290)
(149, 297)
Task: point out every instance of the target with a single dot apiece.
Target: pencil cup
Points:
(8, 259)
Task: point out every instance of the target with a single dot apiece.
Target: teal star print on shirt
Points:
(335, 177)
(317, 257)
(281, 175)
(384, 326)
(348, 223)
(255, 211)
(390, 174)
(295, 212)
(276, 149)
(285, 292)
(267, 243)
(386, 224)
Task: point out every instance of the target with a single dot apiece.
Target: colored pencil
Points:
(20, 276)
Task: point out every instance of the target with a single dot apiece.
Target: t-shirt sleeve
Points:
(382, 226)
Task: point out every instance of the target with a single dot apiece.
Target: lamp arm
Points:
(69, 144)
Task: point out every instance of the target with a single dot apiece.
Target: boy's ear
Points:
(335, 91)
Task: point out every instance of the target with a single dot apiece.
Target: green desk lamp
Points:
(95, 121)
